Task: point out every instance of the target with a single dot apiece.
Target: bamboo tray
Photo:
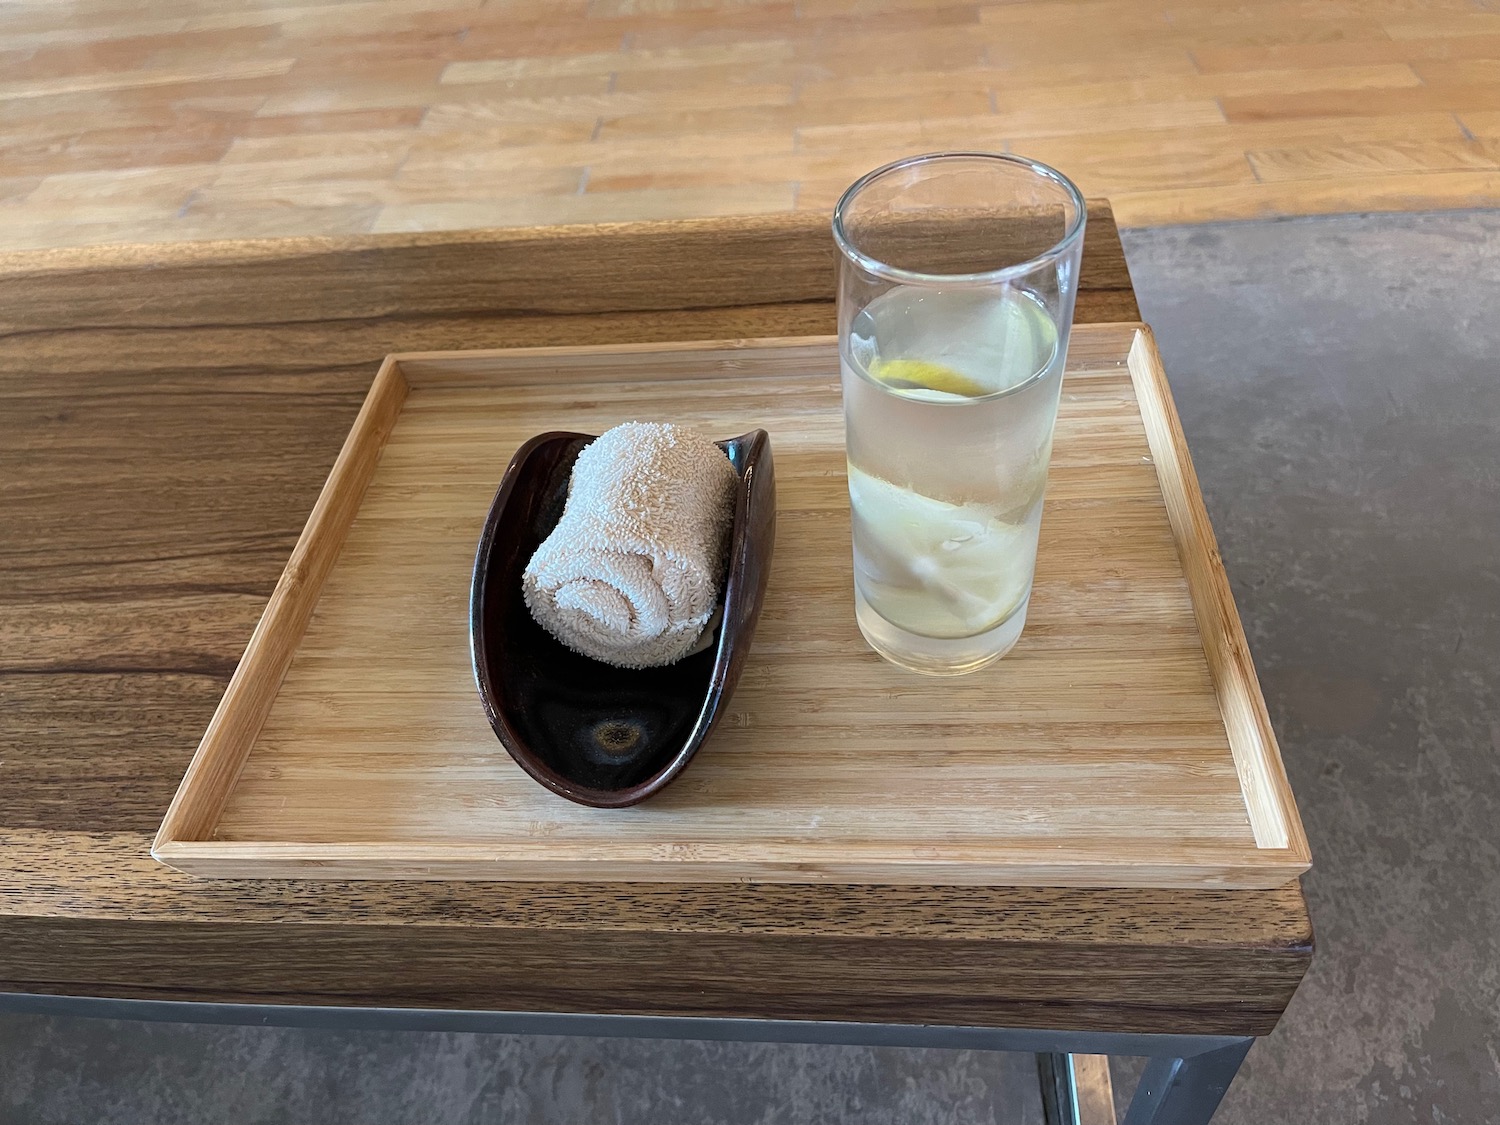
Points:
(1124, 742)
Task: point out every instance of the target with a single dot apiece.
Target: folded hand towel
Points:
(632, 572)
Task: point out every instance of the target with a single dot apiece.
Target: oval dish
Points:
(596, 734)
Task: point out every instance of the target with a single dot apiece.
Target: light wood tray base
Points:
(1123, 743)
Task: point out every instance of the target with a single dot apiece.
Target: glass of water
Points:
(956, 288)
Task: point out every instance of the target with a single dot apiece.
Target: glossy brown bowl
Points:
(596, 734)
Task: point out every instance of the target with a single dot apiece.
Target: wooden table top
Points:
(198, 119)
(167, 417)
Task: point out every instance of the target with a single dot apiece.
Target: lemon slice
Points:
(934, 568)
(922, 374)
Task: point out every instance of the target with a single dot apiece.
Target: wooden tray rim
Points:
(1280, 853)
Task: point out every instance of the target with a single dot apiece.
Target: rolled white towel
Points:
(632, 572)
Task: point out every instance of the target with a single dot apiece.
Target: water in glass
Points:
(950, 397)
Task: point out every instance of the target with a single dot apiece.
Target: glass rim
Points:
(896, 273)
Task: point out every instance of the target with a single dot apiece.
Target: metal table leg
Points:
(1186, 1091)
(1183, 1083)
(1076, 1089)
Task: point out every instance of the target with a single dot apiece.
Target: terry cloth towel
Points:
(632, 572)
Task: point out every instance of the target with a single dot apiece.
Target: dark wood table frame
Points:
(167, 417)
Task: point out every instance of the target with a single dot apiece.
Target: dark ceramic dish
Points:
(595, 734)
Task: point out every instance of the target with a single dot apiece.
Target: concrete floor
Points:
(1339, 380)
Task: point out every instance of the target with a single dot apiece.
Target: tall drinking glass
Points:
(956, 289)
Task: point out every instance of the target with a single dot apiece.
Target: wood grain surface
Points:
(1102, 752)
(192, 119)
(167, 418)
